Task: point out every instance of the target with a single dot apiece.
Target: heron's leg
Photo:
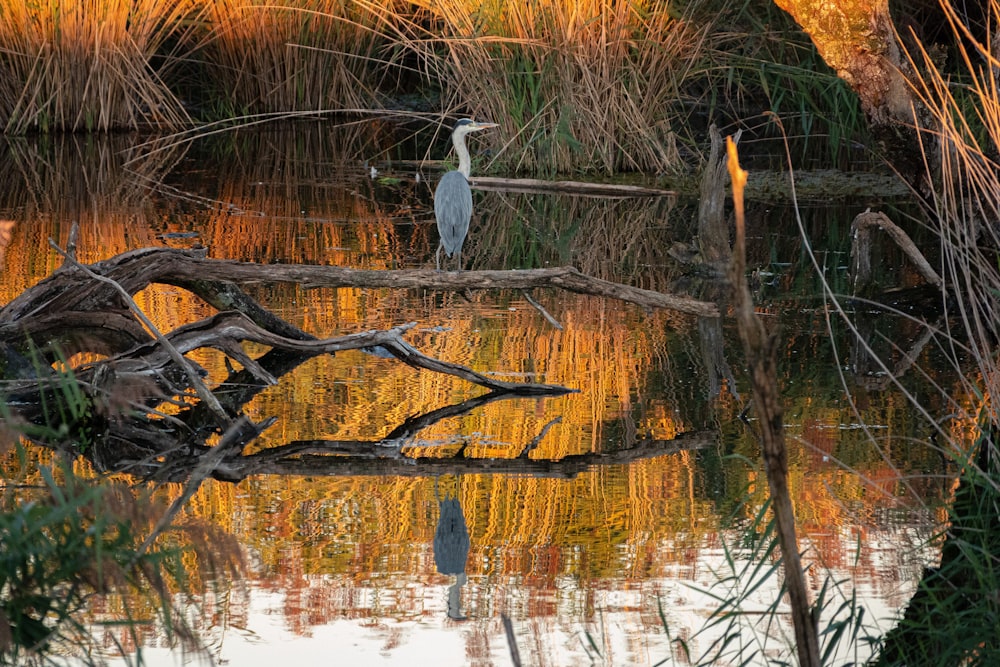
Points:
(459, 255)
(437, 256)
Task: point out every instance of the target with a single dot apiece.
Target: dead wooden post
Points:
(713, 228)
(761, 351)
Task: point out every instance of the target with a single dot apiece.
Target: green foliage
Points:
(67, 414)
(954, 616)
(759, 63)
(63, 543)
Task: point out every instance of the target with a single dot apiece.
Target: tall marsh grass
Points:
(99, 65)
(87, 64)
(293, 55)
(599, 86)
(83, 574)
(581, 85)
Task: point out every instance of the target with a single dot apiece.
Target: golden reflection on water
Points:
(552, 553)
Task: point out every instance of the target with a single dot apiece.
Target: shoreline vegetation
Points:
(590, 86)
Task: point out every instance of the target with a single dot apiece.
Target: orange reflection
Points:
(362, 547)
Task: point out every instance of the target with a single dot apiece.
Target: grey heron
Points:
(453, 197)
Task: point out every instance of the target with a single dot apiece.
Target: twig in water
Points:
(508, 628)
(538, 438)
(761, 352)
(236, 436)
(553, 321)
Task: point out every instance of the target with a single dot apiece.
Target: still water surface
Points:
(610, 564)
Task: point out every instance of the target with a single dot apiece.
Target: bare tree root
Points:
(120, 424)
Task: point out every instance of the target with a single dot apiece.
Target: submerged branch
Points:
(120, 424)
(861, 248)
(234, 327)
(329, 458)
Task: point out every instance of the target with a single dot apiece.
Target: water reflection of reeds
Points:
(51, 184)
(301, 194)
(304, 197)
(619, 239)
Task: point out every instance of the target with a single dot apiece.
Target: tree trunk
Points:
(857, 39)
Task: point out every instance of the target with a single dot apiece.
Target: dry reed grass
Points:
(958, 121)
(294, 55)
(580, 85)
(962, 153)
(86, 64)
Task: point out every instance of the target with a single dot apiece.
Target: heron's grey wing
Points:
(453, 210)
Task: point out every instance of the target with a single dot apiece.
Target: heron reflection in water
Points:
(453, 196)
(451, 548)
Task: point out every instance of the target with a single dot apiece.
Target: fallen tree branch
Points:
(567, 278)
(189, 269)
(82, 315)
(221, 329)
(541, 309)
(90, 306)
(861, 248)
(204, 394)
(580, 188)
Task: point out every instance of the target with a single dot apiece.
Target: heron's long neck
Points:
(464, 161)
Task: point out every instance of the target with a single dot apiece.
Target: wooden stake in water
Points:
(761, 351)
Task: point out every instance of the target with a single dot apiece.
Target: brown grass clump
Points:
(576, 85)
(293, 55)
(86, 64)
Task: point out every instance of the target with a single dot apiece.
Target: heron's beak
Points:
(484, 126)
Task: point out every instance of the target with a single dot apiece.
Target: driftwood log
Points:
(111, 410)
(578, 188)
